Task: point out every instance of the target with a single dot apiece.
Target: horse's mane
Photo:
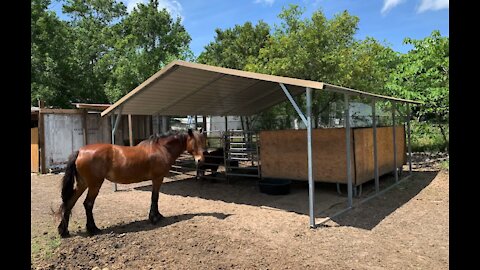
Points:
(156, 137)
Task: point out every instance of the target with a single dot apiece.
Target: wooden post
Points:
(140, 126)
(241, 121)
(41, 137)
(146, 120)
(164, 123)
(204, 124)
(155, 124)
(84, 126)
(130, 137)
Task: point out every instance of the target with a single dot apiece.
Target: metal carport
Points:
(184, 88)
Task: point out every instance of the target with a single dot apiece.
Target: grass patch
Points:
(43, 245)
(445, 164)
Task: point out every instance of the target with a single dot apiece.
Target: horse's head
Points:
(196, 143)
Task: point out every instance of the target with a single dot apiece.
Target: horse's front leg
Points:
(154, 216)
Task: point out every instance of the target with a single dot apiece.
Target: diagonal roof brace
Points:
(294, 104)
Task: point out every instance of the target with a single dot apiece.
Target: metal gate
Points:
(241, 150)
(240, 156)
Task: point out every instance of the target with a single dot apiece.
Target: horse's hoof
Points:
(63, 231)
(155, 219)
(93, 230)
(64, 234)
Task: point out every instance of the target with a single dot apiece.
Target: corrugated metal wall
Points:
(64, 134)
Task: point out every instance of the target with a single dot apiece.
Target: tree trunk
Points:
(445, 140)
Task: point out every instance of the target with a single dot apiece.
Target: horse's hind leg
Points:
(154, 216)
(88, 204)
(66, 209)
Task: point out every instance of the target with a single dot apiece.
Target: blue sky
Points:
(389, 21)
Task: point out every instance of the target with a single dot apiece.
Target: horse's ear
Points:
(190, 132)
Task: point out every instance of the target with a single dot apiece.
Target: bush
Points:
(428, 137)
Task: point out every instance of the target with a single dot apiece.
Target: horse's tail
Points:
(68, 179)
(68, 182)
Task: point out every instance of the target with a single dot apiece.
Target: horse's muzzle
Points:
(198, 160)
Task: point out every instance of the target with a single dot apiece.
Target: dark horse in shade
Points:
(212, 161)
(151, 160)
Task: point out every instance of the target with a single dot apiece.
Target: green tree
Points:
(314, 48)
(149, 38)
(92, 36)
(233, 47)
(325, 50)
(423, 75)
(50, 70)
(102, 52)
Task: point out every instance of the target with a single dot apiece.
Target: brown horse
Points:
(149, 160)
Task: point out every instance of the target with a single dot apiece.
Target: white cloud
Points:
(315, 2)
(132, 3)
(389, 4)
(266, 2)
(172, 6)
(432, 5)
(424, 5)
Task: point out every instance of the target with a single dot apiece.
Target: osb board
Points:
(363, 139)
(34, 150)
(284, 154)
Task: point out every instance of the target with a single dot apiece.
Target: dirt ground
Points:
(220, 225)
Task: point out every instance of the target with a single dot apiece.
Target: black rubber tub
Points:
(274, 186)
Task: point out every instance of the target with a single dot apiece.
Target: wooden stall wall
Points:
(363, 139)
(283, 154)
(34, 154)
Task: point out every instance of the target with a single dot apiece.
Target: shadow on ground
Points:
(327, 200)
(145, 225)
(371, 213)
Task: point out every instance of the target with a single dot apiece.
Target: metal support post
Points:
(311, 184)
(130, 131)
(114, 129)
(375, 152)
(226, 149)
(394, 142)
(409, 116)
(308, 123)
(349, 154)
